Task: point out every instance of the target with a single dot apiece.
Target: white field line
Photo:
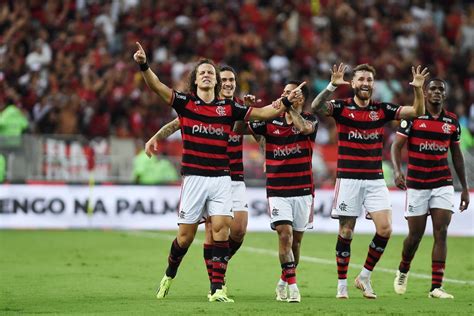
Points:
(302, 258)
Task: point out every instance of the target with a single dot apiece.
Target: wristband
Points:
(331, 87)
(144, 66)
(286, 102)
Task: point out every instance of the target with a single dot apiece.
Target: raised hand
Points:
(251, 100)
(337, 75)
(296, 93)
(400, 180)
(139, 56)
(419, 76)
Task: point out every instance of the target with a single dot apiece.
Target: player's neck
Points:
(361, 103)
(434, 109)
(206, 95)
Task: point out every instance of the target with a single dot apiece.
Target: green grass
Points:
(113, 272)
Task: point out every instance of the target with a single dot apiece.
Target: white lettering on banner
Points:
(209, 129)
(432, 147)
(145, 207)
(363, 136)
(286, 151)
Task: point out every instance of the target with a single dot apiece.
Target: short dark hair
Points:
(363, 67)
(304, 89)
(227, 68)
(427, 83)
(192, 77)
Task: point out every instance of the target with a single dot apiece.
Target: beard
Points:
(363, 95)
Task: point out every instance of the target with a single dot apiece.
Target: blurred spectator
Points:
(154, 170)
(3, 168)
(12, 121)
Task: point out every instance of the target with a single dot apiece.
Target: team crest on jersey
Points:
(446, 128)
(373, 116)
(220, 110)
(295, 130)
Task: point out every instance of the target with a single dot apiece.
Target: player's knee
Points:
(440, 233)
(346, 232)
(185, 239)
(238, 233)
(286, 238)
(385, 230)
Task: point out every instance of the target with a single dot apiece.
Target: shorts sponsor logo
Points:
(209, 129)
(343, 207)
(275, 211)
(432, 147)
(363, 136)
(286, 151)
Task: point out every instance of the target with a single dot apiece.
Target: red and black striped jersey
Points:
(205, 129)
(235, 153)
(361, 135)
(288, 156)
(429, 140)
(235, 156)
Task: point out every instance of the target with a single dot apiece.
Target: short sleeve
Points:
(456, 136)
(405, 128)
(179, 101)
(335, 107)
(258, 128)
(391, 111)
(240, 112)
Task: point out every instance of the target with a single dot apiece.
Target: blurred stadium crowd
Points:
(67, 65)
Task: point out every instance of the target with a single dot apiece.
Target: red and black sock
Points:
(174, 259)
(343, 256)
(208, 259)
(234, 246)
(437, 274)
(289, 269)
(376, 249)
(404, 266)
(220, 257)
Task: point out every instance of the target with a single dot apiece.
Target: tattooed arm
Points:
(319, 105)
(304, 126)
(151, 146)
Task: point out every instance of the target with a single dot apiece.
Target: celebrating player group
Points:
(213, 120)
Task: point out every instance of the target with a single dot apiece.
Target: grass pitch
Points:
(116, 273)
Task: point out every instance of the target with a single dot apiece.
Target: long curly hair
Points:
(192, 86)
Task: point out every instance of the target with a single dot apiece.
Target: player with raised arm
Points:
(429, 183)
(238, 227)
(360, 184)
(206, 122)
(289, 141)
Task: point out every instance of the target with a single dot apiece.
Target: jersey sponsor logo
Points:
(220, 110)
(277, 122)
(446, 128)
(432, 147)
(363, 136)
(209, 129)
(286, 151)
(391, 108)
(374, 116)
(234, 138)
(447, 119)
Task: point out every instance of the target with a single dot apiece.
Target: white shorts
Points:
(239, 200)
(419, 202)
(204, 196)
(297, 209)
(351, 196)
